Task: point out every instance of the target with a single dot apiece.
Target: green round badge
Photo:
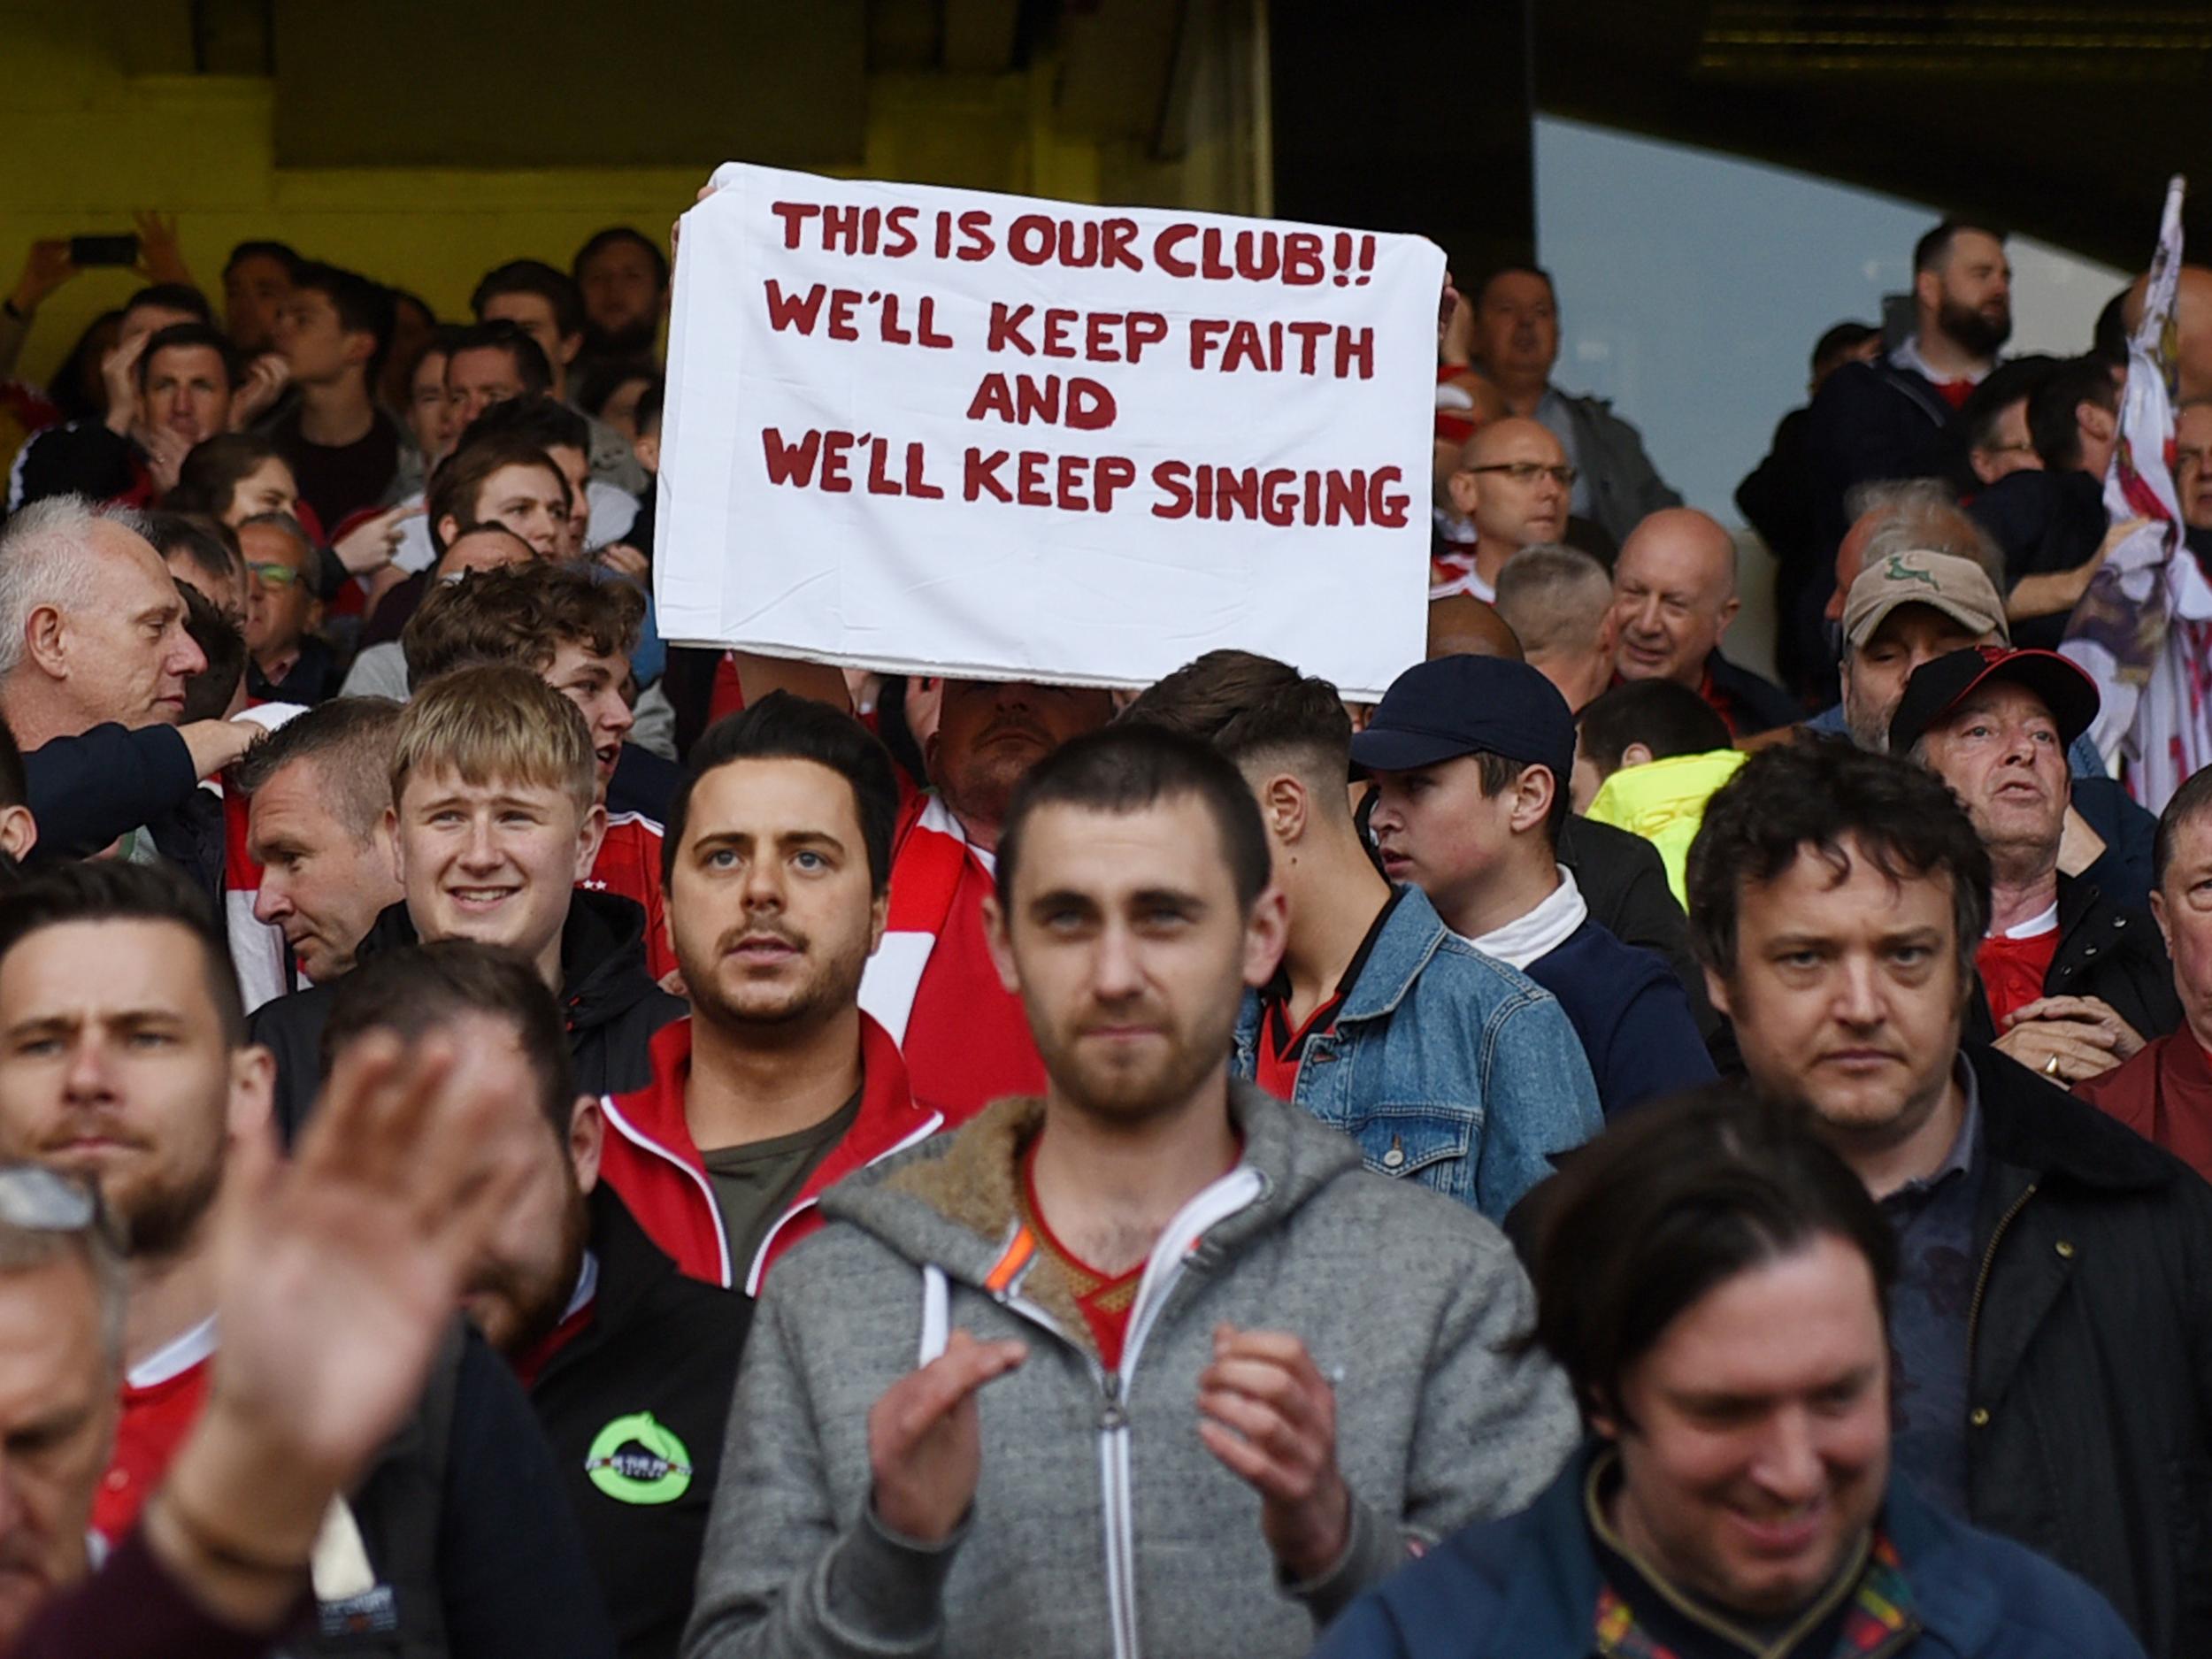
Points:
(636, 1460)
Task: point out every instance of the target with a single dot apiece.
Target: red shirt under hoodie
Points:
(654, 1168)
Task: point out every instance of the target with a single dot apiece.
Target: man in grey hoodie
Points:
(1067, 1382)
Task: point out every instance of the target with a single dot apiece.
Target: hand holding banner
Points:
(936, 431)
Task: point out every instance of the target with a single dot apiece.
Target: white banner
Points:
(942, 432)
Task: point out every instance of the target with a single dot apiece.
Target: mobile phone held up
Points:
(90, 250)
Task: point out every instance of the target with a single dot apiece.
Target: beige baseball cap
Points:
(1957, 586)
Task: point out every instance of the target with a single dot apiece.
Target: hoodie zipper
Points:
(637, 1138)
(1162, 1273)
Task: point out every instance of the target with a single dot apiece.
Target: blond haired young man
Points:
(494, 817)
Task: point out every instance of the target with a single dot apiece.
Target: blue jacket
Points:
(1447, 1068)
(1527, 1588)
(1632, 1016)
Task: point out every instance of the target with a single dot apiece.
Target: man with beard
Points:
(779, 873)
(628, 1363)
(1897, 417)
(124, 1061)
(622, 276)
(1140, 1300)
(932, 984)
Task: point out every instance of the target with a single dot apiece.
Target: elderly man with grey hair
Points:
(94, 659)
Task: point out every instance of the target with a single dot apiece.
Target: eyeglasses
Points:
(1529, 472)
(273, 575)
(39, 1199)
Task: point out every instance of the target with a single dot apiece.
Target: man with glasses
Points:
(1674, 595)
(287, 662)
(1512, 487)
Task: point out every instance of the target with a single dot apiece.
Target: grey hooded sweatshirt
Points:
(1102, 1525)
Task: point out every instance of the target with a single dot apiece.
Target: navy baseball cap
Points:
(1938, 687)
(1461, 705)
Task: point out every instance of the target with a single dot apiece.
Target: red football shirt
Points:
(2013, 971)
(161, 1399)
(629, 864)
(967, 1040)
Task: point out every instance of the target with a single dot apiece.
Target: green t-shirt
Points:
(754, 1184)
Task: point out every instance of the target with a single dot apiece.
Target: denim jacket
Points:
(1448, 1067)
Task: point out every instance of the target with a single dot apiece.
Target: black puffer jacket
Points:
(610, 1002)
(2105, 952)
(2089, 1434)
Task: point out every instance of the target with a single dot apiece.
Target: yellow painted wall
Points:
(87, 143)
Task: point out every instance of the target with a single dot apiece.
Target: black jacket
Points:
(1868, 421)
(1748, 700)
(2089, 1434)
(87, 790)
(1624, 884)
(474, 1554)
(315, 678)
(83, 459)
(2045, 522)
(610, 1002)
(643, 782)
(634, 1405)
(2105, 952)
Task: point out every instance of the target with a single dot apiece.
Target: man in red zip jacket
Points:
(777, 864)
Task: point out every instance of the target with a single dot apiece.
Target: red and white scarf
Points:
(924, 880)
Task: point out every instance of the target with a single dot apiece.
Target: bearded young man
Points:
(1139, 1299)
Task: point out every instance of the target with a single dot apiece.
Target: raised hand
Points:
(339, 1272)
(118, 373)
(165, 449)
(159, 257)
(337, 1276)
(923, 1441)
(45, 268)
(266, 377)
(1268, 1413)
(370, 545)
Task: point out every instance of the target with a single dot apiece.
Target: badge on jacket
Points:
(636, 1459)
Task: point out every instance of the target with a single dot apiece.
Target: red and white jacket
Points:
(654, 1165)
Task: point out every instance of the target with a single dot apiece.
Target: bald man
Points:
(1460, 624)
(1674, 595)
(1558, 601)
(1513, 485)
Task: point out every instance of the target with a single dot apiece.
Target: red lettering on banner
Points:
(790, 463)
(837, 456)
(975, 229)
(1280, 496)
(794, 215)
(793, 311)
(1022, 398)
(979, 476)
(1007, 323)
